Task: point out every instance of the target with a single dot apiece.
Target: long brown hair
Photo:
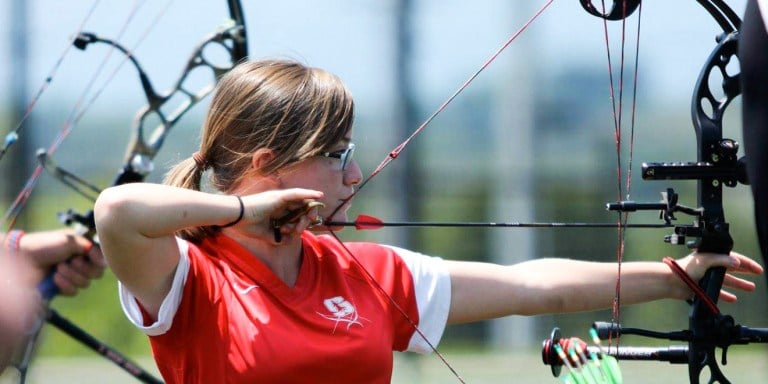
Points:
(296, 111)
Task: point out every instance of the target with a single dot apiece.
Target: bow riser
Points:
(715, 235)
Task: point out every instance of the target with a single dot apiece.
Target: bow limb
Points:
(232, 38)
(618, 10)
(140, 151)
(144, 146)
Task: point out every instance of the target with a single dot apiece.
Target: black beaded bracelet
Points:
(240, 216)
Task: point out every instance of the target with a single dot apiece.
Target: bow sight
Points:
(717, 165)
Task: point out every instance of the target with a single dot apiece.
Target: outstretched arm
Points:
(482, 291)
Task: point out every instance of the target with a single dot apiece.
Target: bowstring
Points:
(625, 217)
(399, 309)
(617, 113)
(80, 108)
(13, 135)
(393, 154)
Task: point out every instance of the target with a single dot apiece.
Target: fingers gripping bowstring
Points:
(395, 153)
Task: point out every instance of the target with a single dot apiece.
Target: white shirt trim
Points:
(432, 283)
(170, 304)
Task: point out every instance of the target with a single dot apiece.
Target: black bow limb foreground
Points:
(144, 145)
(717, 165)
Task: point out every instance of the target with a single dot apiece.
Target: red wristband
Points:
(678, 270)
(13, 240)
(87, 248)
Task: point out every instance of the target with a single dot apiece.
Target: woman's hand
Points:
(696, 264)
(264, 209)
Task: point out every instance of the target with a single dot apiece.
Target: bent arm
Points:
(136, 225)
(137, 222)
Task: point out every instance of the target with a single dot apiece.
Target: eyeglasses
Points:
(345, 155)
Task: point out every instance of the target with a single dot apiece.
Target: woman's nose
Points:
(353, 175)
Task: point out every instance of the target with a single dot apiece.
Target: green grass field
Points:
(746, 365)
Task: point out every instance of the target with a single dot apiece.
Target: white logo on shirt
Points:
(243, 290)
(342, 311)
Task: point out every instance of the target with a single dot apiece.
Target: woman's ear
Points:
(261, 159)
(257, 178)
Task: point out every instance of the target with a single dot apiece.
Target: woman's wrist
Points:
(239, 216)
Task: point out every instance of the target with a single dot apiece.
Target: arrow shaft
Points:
(489, 224)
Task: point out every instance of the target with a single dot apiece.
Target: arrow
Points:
(366, 222)
(610, 364)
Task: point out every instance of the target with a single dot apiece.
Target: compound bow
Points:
(717, 165)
